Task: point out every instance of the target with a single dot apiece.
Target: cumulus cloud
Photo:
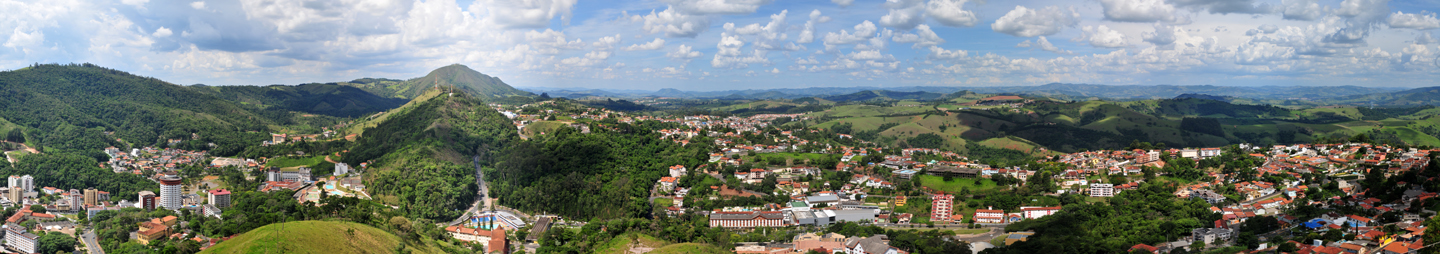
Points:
(729, 55)
(675, 24)
(198, 5)
(1026, 22)
(607, 42)
(1419, 21)
(162, 32)
(1043, 44)
(904, 14)
(684, 52)
(1226, 6)
(1138, 10)
(951, 13)
(862, 32)
(728, 7)
(527, 13)
(937, 53)
(843, 3)
(1306, 10)
(1262, 54)
(807, 34)
(652, 45)
(1263, 29)
(1426, 39)
(1103, 37)
(1364, 12)
(551, 41)
(923, 37)
(1163, 35)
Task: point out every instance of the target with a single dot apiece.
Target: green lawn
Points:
(664, 202)
(956, 184)
(285, 162)
(309, 237)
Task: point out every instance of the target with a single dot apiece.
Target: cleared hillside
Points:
(311, 237)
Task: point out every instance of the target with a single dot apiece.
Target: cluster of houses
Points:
(138, 160)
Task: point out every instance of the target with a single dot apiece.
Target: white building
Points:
(1035, 212)
(677, 171)
(1102, 190)
(170, 191)
(17, 238)
(341, 169)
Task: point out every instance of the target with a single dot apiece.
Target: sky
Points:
(707, 45)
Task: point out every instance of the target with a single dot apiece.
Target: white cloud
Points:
(1306, 10)
(198, 5)
(134, 2)
(684, 52)
(775, 71)
(937, 53)
(863, 31)
(843, 3)
(1263, 29)
(904, 14)
(807, 34)
(1364, 12)
(1262, 54)
(526, 13)
(607, 42)
(951, 13)
(1043, 44)
(1138, 10)
(551, 41)
(1163, 35)
(728, 7)
(1026, 22)
(1103, 37)
(162, 32)
(652, 45)
(675, 24)
(728, 54)
(1419, 21)
(923, 37)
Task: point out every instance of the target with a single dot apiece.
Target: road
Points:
(91, 244)
(481, 201)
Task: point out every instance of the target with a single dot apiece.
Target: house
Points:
(677, 171)
(1211, 235)
(1209, 152)
(1102, 190)
(1032, 212)
(667, 183)
(494, 240)
(1144, 248)
(989, 216)
(1356, 221)
(211, 210)
(877, 244)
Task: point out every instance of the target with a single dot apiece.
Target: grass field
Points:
(536, 128)
(956, 184)
(622, 244)
(285, 162)
(310, 237)
(796, 158)
(686, 248)
(664, 202)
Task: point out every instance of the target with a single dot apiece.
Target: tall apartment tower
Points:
(170, 190)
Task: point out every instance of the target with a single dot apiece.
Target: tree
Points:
(1249, 240)
(56, 242)
(1197, 246)
(37, 208)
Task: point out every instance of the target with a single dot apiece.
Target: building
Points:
(301, 174)
(1102, 190)
(341, 169)
(989, 216)
(1033, 212)
(1189, 153)
(101, 196)
(18, 186)
(17, 238)
(747, 219)
(941, 206)
(211, 210)
(91, 196)
(1210, 235)
(170, 190)
(667, 184)
(494, 240)
(677, 171)
(1208, 195)
(77, 198)
(220, 198)
(152, 230)
(878, 244)
(1209, 152)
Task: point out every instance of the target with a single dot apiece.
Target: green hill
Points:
(1406, 98)
(325, 99)
(422, 152)
(690, 248)
(457, 76)
(71, 107)
(311, 237)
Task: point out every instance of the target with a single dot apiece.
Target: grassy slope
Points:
(310, 237)
(622, 244)
(690, 248)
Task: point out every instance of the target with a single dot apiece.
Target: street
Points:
(91, 244)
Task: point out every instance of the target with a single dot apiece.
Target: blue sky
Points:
(741, 44)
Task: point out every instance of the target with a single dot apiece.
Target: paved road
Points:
(91, 244)
(480, 196)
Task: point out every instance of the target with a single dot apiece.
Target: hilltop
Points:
(325, 99)
(422, 152)
(311, 237)
(86, 107)
(457, 76)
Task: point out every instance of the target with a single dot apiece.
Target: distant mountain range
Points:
(1053, 90)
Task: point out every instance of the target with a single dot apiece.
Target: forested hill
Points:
(71, 107)
(455, 76)
(324, 99)
(1407, 98)
(422, 152)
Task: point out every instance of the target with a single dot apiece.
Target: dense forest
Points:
(324, 99)
(605, 174)
(423, 153)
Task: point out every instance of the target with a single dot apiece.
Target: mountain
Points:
(885, 95)
(1062, 91)
(1406, 98)
(315, 98)
(457, 76)
(78, 106)
(422, 152)
(311, 237)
